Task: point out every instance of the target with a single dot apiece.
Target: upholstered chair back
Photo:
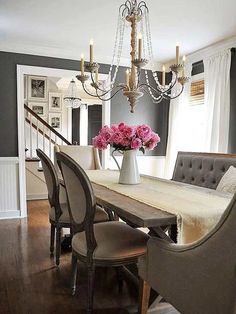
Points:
(86, 156)
(51, 177)
(80, 194)
(202, 169)
(199, 277)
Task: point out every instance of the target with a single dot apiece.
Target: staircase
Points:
(38, 134)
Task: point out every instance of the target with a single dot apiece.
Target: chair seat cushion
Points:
(115, 241)
(100, 214)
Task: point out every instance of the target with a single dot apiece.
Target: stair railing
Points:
(39, 134)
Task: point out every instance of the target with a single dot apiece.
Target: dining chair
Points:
(86, 156)
(59, 215)
(105, 244)
(196, 278)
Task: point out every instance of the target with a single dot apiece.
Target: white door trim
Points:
(41, 71)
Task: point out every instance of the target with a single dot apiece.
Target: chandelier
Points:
(71, 99)
(135, 13)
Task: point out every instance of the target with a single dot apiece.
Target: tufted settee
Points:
(202, 169)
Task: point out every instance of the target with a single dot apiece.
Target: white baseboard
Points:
(11, 214)
(34, 197)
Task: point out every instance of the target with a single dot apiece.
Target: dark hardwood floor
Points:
(30, 282)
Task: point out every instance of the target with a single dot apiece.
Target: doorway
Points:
(87, 125)
(23, 70)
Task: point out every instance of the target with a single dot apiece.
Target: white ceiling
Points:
(65, 27)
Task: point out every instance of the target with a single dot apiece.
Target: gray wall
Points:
(156, 115)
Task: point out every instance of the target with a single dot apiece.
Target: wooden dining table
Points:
(157, 203)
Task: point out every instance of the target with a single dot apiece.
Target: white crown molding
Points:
(209, 51)
(212, 49)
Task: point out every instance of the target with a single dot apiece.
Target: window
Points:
(197, 90)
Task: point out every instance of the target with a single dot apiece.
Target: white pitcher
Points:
(129, 173)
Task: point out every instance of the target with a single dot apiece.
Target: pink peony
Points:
(123, 137)
(136, 143)
(106, 133)
(128, 131)
(144, 132)
(153, 141)
(100, 142)
(125, 142)
(121, 126)
(116, 138)
(114, 127)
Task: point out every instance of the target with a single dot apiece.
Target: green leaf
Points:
(142, 150)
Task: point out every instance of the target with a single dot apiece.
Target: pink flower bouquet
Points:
(124, 137)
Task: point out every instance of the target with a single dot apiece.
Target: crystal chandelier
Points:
(71, 99)
(135, 13)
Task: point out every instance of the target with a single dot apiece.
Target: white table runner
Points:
(198, 209)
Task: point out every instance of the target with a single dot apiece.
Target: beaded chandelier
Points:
(136, 14)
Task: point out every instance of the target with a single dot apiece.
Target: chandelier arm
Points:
(125, 6)
(143, 4)
(172, 84)
(87, 92)
(171, 98)
(94, 83)
(106, 99)
(96, 89)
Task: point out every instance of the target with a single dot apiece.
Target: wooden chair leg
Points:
(144, 294)
(91, 275)
(52, 239)
(74, 272)
(58, 245)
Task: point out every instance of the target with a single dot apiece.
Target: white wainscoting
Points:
(148, 165)
(9, 187)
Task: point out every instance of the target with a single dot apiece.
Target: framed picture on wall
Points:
(39, 108)
(55, 102)
(55, 121)
(37, 88)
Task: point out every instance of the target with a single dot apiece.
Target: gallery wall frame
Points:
(55, 101)
(37, 88)
(55, 120)
(39, 108)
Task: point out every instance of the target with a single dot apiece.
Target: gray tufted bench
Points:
(202, 169)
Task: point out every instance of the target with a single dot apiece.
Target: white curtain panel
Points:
(217, 101)
(177, 126)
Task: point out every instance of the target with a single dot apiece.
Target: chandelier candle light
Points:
(134, 12)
